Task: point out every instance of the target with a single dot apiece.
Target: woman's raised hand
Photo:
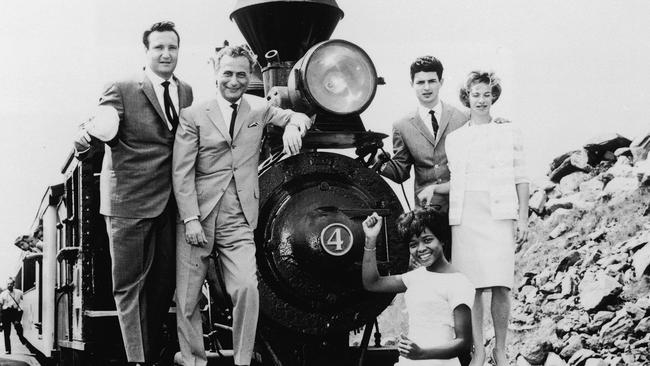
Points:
(372, 225)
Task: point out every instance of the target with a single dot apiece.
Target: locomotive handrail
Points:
(365, 340)
(69, 159)
(274, 158)
(364, 212)
(69, 220)
(34, 256)
(67, 254)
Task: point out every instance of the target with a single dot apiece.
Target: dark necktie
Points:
(434, 122)
(170, 112)
(232, 119)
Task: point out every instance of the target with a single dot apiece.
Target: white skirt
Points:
(483, 248)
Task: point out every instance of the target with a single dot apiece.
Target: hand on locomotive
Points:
(215, 181)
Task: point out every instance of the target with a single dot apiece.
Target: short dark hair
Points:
(164, 26)
(414, 222)
(426, 64)
(478, 77)
(235, 51)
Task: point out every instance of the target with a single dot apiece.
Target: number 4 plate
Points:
(336, 239)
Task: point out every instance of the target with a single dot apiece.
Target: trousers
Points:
(229, 234)
(142, 254)
(11, 316)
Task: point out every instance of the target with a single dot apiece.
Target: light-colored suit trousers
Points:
(227, 232)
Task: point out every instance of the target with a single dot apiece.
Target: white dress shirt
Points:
(426, 117)
(226, 110)
(160, 92)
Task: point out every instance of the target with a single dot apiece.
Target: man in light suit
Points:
(136, 191)
(419, 137)
(215, 181)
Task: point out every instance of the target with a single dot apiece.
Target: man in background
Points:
(136, 190)
(12, 313)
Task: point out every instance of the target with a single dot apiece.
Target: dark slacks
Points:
(9, 317)
(142, 253)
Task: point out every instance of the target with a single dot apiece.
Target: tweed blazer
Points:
(206, 158)
(415, 146)
(135, 181)
(506, 169)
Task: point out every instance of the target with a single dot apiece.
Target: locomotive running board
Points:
(110, 313)
(100, 313)
(78, 345)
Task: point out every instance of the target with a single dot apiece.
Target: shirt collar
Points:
(424, 111)
(224, 105)
(157, 80)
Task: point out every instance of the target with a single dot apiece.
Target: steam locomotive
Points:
(309, 238)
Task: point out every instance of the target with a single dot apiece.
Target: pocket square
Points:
(253, 124)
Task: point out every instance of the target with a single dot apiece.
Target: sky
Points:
(570, 71)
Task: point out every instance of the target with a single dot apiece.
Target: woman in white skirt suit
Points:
(488, 206)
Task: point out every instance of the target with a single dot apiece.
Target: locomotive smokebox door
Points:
(310, 243)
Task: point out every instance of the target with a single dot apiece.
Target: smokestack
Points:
(291, 26)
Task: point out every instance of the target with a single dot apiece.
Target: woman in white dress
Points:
(438, 298)
(488, 206)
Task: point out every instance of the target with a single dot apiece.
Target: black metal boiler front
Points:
(310, 243)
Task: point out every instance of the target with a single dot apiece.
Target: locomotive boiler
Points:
(309, 238)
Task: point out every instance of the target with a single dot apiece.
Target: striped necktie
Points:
(170, 112)
(434, 122)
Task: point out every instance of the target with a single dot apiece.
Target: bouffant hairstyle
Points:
(414, 222)
(478, 77)
(165, 26)
(426, 64)
(234, 51)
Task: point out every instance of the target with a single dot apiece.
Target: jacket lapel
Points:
(419, 124)
(147, 88)
(242, 113)
(214, 113)
(183, 98)
(443, 123)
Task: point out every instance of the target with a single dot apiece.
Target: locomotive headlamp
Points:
(334, 76)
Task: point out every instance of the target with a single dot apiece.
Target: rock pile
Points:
(583, 294)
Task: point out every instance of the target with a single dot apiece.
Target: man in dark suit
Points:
(136, 191)
(419, 137)
(215, 181)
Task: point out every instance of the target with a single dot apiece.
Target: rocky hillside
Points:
(583, 294)
(583, 277)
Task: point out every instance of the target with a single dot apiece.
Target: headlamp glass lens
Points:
(340, 77)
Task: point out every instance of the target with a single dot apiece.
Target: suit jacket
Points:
(206, 158)
(135, 181)
(414, 145)
(506, 169)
